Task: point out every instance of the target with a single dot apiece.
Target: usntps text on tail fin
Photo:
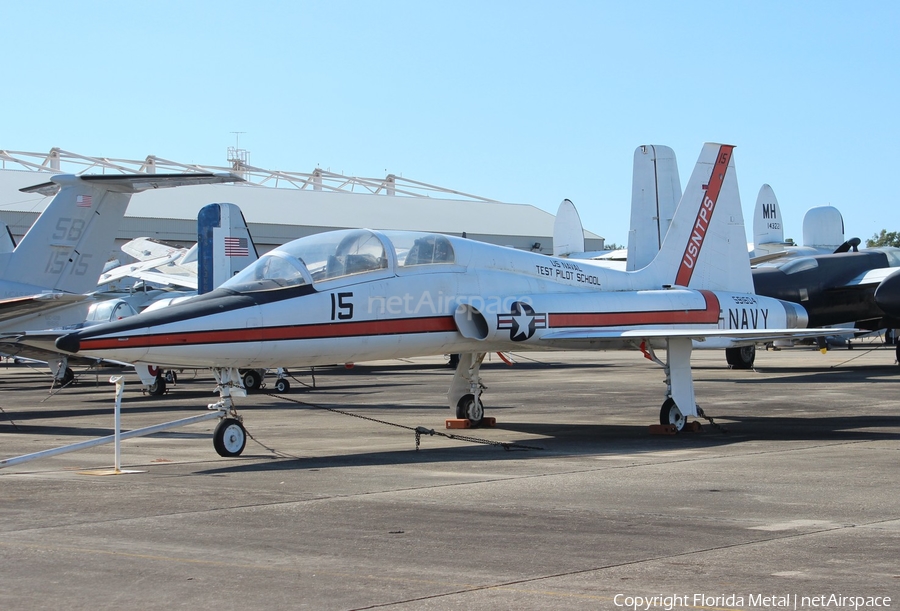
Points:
(706, 246)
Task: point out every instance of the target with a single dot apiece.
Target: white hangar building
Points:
(280, 206)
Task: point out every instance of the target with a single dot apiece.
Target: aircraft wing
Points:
(146, 273)
(146, 249)
(32, 304)
(747, 335)
(772, 256)
(188, 282)
(873, 276)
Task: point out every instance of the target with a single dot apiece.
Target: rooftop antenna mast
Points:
(239, 158)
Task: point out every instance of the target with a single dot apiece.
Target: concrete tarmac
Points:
(798, 499)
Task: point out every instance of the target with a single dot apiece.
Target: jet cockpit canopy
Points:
(337, 254)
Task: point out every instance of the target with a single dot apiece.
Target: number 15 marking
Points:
(341, 309)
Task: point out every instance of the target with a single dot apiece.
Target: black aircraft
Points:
(848, 286)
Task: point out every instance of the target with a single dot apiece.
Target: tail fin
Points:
(767, 224)
(568, 232)
(823, 227)
(224, 245)
(68, 245)
(705, 247)
(655, 191)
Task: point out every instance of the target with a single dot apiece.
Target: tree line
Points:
(885, 238)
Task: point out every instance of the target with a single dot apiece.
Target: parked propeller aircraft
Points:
(155, 262)
(359, 295)
(224, 248)
(46, 279)
(823, 231)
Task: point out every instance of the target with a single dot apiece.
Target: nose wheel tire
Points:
(670, 414)
(282, 386)
(229, 438)
(470, 408)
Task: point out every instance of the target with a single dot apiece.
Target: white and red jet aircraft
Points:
(360, 295)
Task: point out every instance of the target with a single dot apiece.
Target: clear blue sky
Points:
(527, 102)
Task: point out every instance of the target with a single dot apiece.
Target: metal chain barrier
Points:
(712, 422)
(419, 430)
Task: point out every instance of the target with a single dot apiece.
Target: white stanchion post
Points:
(119, 381)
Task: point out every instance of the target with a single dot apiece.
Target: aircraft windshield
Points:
(274, 270)
(324, 256)
(421, 248)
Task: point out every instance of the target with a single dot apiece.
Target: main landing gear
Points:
(254, 380)
(670, 414)
(741, 358)
(464, 396)
(679, 383)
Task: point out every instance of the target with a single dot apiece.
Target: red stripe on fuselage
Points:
(704, 217)
(708, 315)
(432, 324)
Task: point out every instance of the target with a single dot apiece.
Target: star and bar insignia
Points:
(521, 321)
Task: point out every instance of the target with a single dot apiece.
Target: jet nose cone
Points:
(69, 343)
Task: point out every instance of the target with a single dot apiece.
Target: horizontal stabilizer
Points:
(750, 335)
(135, 183)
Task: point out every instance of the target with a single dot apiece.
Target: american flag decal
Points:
(84, 201)
(236, 247)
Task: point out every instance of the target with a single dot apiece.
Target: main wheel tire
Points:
(741, 358)
(670, 414)
(158, 388)
(229, 438)
(252, 380)
(68, 377)
(470, 408)
(282, 386)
